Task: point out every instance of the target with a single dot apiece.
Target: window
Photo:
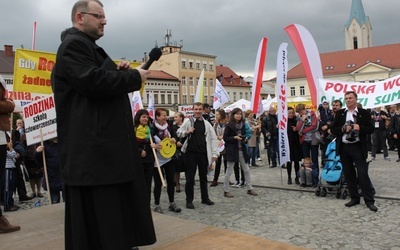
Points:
(191, 80)
(205, 82)
(205, 99)
(302, 90)
(155, 98)
(183, 80)
(176, 98)
(191, 98)
(169, 96)
(246, 95)
(197, 80)
(183, 62)
(205, 65)
(211, 67)
(197, 64)
(241, 95)
(191, 64)
(234, 96)
(211, 82)
(162, 98)
(292, 91)
(184, 99)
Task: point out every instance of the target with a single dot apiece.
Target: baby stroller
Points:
(332, 179)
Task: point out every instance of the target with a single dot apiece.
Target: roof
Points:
(347, 61)
(229, 76)
(159, 74)
(6, 63)
(357, 12)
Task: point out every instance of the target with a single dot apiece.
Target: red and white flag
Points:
(136, 102)
(256, 104)
(309, 56)
(150, 108)
(220, 95)
(281, 94)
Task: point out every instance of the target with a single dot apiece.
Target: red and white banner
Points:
(40, 115)
(308, 52)
(256, 105)
(281, 82)
(220, 95)
(370, 95)
(150, 108)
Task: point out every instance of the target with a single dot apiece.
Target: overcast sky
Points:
(228, 29)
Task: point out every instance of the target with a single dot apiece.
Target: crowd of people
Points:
(124, 154)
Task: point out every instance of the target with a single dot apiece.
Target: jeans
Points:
(252, 154)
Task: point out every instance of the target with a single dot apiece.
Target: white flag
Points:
(200, 89)
(150, 108)
(281, 81)
(220, 95)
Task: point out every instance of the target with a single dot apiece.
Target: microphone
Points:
(154, 55)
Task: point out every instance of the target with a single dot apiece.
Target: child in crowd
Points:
(53, 168)
(308, 173)
(8, 182)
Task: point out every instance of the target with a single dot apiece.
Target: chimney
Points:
(8, 50)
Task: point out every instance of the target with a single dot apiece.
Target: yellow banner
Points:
(32, 70)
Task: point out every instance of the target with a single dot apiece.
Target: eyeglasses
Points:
(98, 16)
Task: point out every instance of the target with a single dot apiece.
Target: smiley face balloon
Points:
(168, 148)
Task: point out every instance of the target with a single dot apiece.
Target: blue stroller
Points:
(332, 179)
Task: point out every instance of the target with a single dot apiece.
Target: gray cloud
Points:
(229, 29)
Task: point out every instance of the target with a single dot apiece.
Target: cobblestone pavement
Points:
(288, 213)
(291, 214)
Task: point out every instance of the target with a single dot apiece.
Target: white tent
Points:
(268, 102)
(243, 104)
(299, 99)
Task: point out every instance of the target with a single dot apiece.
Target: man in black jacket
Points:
(351, 127)
(106, 198)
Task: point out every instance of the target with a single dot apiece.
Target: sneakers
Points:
(214, 183)
(6, 227)
(174, 208)
(387, 159)
(241, 184)
(258, 159)
(228, 195)
(158, 209)
(372, 158)
(237, 183)
(398, 160)
(251, 192)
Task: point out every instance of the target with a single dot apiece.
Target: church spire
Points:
(357, 12)
(358, 27)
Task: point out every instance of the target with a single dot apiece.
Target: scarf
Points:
(143, 132)
(162, 130)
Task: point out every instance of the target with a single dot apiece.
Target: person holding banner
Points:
(351, 126)
(6, 107)
(145, 147)
(106, 200)
(160, 131)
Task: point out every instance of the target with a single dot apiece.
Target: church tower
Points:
(358, 28)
